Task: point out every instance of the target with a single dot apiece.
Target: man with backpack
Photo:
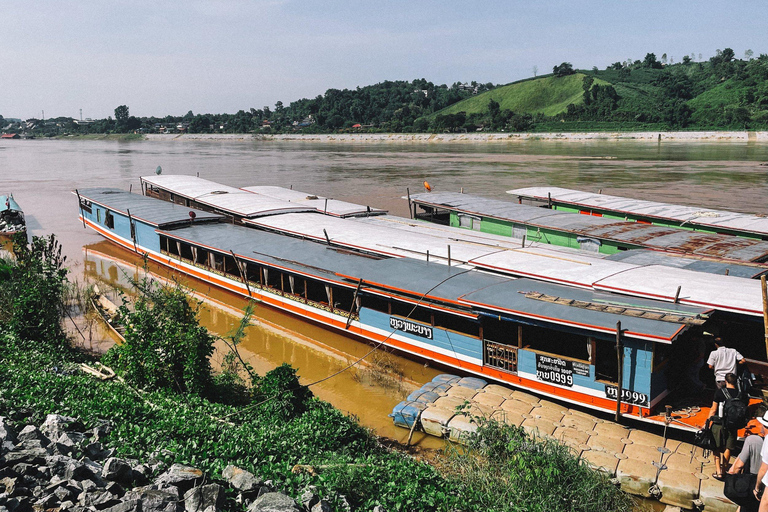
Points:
(727, 415)
(724, 360)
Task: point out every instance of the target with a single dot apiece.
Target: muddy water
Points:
(42, 173)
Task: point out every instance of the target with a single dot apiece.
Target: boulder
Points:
(152, 500)
(206, 498)
(322, 506)
(32, 433)
(117, 470)
(274, 502)
(126, 506)
(7, 432)
(34, 456)
(55, 425)
(182, 477)
(241, 480)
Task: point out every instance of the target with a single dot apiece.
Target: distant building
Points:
(10, 136)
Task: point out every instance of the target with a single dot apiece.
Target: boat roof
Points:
(322, 204)
(9, 203)
(146, 209)
(403, 239)
(689, 215)
(649, 257)
(632, 233)
(226, 199)
(447, 284)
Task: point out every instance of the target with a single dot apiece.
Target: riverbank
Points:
(436, 138)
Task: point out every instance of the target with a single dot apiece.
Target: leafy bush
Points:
(32, 292)
(165, 346)
(281, 394)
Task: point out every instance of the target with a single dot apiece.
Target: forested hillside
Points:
(721, 93)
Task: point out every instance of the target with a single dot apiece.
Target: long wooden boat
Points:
(694, 218)
(598, 234)
(587, 347)
(107, 312)
(11, 217)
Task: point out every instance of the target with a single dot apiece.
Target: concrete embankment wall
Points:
(703, 136)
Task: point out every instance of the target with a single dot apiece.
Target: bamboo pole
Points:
(765, 311)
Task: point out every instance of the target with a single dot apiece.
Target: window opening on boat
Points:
(316, 291)
(109, 220)
(563, 344)
(500, 356)
(459, 324)
(420, 314)
(85, 205)
(604, 358)
(185, 251)
(375, 303)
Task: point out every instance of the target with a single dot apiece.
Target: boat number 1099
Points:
(564, 379)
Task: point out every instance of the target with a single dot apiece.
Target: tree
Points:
(651, 62)
(663, 58)
(121, 114)
(535, 70)
(748, 54)
(686, 59)
(564, 69)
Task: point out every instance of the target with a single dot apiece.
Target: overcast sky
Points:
(163, 57)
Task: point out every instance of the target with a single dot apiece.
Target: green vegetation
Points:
(278, 428)
(649, 94)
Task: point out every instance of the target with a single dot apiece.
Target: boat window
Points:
(173, 247)
(202, 256)
(253, 272)
(217, 261)
(273, 279)
(456, 323)
(316, 291)
(186, 251)
(85, 205)
(375, 303)
(342, 298)
(230, 267)
(606, 364)
(109, 220)
(573, 346)
(163, 243)
(412, 312)
(500, 331)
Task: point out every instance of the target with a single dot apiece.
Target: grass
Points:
(547, 95)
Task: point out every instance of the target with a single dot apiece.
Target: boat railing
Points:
(259, 286)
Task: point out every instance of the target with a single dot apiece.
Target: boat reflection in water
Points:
(275, 338)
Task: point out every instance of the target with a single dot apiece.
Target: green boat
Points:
(11, 217)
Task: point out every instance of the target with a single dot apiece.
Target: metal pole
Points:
(765, 311)
(354, 302)
(449, 255)
(677, 295)
(82, 215)
(132, 227)
(242, 274)
(410, 209)
(620, 361)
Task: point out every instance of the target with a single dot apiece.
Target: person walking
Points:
(723, 429)
(724, 360)
(749, 461)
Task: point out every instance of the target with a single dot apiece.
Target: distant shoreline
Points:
(429, 138)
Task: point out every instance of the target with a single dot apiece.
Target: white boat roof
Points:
(683, 214)
(228, 199)
(322, 204)
(543, 262)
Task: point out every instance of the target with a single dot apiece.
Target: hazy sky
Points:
(163, 57)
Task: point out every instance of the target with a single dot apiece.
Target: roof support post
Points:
(620, 377)
(765, 311)
(80, 206)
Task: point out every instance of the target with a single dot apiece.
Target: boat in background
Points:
(11, 217)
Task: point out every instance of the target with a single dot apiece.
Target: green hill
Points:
(546, 95)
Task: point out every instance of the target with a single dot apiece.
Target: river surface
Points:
(43, 173)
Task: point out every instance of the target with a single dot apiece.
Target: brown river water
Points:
(43, 173)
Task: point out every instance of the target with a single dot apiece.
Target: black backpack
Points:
(735, 414)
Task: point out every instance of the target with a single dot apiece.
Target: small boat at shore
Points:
(107, 311)
(11, 217)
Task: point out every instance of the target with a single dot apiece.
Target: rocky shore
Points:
(482, 137)
(59, 466)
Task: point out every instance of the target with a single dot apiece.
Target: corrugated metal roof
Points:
(654, 237)
(149, 210)
(415, 278)
(321, 204)
(689, 215)
(188, 186)
(648, 257)
(383, 235)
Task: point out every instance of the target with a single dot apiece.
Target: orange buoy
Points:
(426, 186)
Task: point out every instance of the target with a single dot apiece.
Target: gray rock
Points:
(274, 502)
(56, 424)
(182, 477)
(309, 498)
(101, 431)
(34, 456)
(23, 469)
(57, 464)
(87, 485)
(46, 502)
(7, 432)
(71, 438)
(126, 506)
(32, 433)
(63, 493)
(66, 505)
(115, 488)
(241, 479)
(152, 500)
(117, 470)
(76, 470)
(206, 498)
(379, 508)
(9, 485)
(322, 506)
(106, 500)
(95, 451)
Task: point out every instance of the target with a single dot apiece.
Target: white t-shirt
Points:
(764, 457)
(724, 360)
